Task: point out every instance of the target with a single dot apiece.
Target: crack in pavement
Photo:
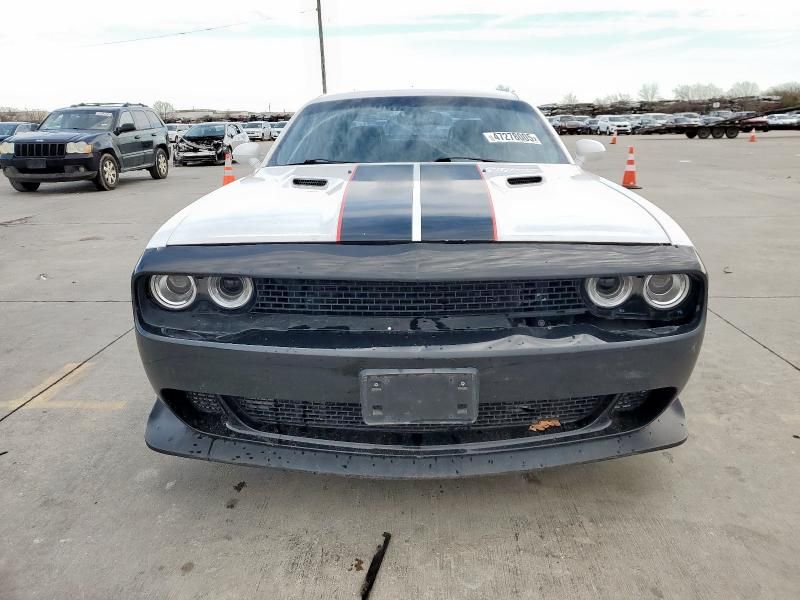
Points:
(65, 375)
(767, 348)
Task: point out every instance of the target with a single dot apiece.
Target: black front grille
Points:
(417, 298)
(342, 415)
(39, 150)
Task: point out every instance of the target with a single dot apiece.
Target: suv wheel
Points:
(24, 186)
(108, 174)
(160, 168)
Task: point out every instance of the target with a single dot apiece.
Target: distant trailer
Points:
(729, 128)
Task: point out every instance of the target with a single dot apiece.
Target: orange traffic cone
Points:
(752, 135)
(629, 176)
(613, 137)
(227, 174)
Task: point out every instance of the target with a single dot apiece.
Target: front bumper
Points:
(507, 369)
(68, 168)
(203, 155)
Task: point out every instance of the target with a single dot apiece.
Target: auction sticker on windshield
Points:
(510, 137)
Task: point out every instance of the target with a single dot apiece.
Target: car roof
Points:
(16, 123)
(406, 93)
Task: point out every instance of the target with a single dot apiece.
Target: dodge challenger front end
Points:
(418, 284)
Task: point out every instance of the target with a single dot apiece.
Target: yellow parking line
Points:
(61, 385)
(12, 404)
(44, 395)
(86, 404)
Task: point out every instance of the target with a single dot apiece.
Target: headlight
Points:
(609, 292)
(79, 148)
(665, 291)
(230, 292)
(174, 292)
(7, 148)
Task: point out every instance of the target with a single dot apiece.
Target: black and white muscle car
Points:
(418, 284)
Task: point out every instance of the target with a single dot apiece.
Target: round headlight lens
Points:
(174, 292)
(230, 292)
(609, 292)
(666, 291)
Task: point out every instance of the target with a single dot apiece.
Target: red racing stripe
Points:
(341, 208)
(491, 202)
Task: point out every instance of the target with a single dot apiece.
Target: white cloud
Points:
(275, 62)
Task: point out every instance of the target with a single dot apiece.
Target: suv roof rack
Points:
(108, 104)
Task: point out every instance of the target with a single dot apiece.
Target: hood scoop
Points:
(524, 180)
(312, 182)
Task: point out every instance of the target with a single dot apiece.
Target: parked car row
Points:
(609, 124)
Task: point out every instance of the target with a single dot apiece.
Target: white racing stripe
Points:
(416, 207)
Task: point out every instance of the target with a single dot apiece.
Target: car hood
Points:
(420, 202)
(57, 136)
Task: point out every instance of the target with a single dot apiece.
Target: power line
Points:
(188, 32)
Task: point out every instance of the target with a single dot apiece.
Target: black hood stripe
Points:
(377, 204)
(456, 205)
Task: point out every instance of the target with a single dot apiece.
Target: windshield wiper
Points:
(469, 158)
(317, 161)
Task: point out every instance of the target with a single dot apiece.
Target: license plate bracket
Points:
(36, 163)
(419, 396)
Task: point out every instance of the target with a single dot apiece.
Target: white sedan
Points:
(209, 142)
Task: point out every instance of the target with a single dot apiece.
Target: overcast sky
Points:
(58, 53)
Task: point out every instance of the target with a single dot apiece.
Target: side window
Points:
(125, 117)
(155, 122)
(140, 119)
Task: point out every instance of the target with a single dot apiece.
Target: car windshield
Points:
(253, 125)
(7, 128)
(215, 130)
(617, 119)
(172, 127)
(418, 129)
(280, 125)
(99, 120)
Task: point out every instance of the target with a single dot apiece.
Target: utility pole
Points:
(321, 47)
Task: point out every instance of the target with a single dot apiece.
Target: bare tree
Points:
(569, 99)
(612, 99)
(697, 91)
(648, 92)
(789, 92)
(163, 108)
(744, 89)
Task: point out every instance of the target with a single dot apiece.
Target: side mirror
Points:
(585, 148)
(125, 127)
(246, 154)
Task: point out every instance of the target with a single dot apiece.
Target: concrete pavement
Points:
(87, 511)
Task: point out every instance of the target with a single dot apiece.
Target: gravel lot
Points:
(87, 511)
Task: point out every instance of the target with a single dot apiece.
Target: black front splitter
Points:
(166, 433)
